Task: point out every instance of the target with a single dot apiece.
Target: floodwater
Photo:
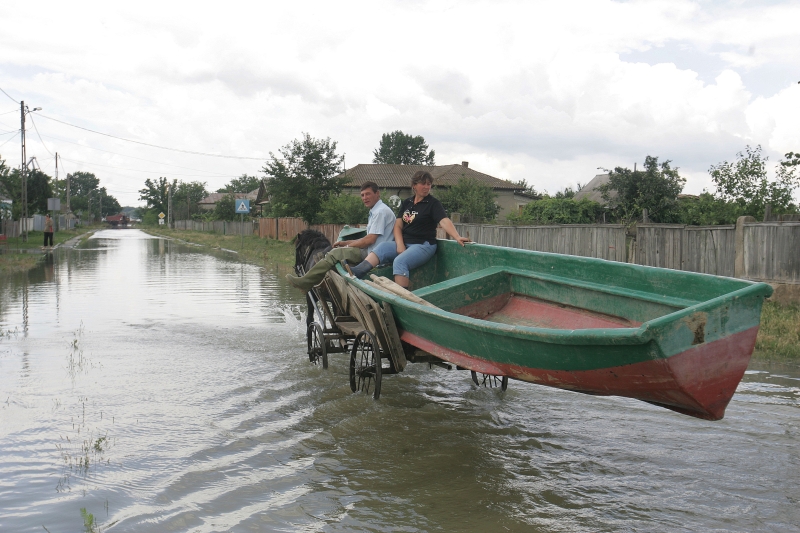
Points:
(161, 388)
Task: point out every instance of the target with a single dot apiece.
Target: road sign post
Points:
(242, 207)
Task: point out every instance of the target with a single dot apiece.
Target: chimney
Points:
(465, 164)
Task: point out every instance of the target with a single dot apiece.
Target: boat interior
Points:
(521, 297)
(536, 289)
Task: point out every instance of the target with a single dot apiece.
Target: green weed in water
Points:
(89, 523)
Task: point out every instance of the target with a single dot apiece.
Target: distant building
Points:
(210, 202)
(396, 180)
(591, 190)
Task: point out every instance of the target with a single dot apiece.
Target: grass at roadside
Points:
(256, 250)
(779, 335)
(12, 262)
(36, 238)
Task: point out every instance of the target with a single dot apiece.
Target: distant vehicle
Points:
(118, 221)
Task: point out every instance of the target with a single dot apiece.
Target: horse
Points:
(309, 247)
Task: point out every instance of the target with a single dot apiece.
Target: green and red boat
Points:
(680, 340)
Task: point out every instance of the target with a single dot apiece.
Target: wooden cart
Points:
(346, 320)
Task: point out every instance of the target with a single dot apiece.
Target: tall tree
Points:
(243, 183)
(39, 190)
(397, 148)
(656, 188)
(472, 199)
(186, 197)
(303, 177)
(745, 182)
(156, 194)
(225, 208)
(106, 204)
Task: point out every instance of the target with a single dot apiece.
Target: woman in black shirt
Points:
(414, 233)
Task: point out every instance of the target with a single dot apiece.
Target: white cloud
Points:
(535, 90)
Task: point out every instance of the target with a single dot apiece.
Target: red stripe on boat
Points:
(697, 382)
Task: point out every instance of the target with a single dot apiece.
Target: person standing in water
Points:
(48, 230)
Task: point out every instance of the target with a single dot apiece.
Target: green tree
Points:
(656, 188)
(185, 198)
(745, 183)
(706, 210)
(81, 184)
(243, 183)
(472, 199)
(106, 204)
(562, 210)
(791, 159)
(225, 209)
(525, 188)
(86, 195)
(397, 148)
(568, 192)
(39, 190)
(156, 193)
(303, 177)
(343, 209)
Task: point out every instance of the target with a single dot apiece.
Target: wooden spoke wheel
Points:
(317, 349)
(488, 380)
(365, 365)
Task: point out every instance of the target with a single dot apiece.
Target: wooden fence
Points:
(604, 241)
(283, 229)
(771, 251)
(768, 251)
(218, 226)
(706, 249)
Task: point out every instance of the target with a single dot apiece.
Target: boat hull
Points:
(676, 339)
(699, 382)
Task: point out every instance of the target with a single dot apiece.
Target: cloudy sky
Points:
(542, 91)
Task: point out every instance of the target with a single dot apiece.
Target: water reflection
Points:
(166, 389)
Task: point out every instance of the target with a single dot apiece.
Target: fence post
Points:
(738, 265)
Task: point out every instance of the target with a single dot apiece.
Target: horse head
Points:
(309, 246)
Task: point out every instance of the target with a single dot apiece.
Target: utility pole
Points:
(23, 171)
(169, 205)
(101, 205)
(57, 217)
(68, 208)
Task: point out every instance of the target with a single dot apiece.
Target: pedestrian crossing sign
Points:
(242, 207)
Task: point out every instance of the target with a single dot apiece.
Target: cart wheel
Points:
(365, 364)
(488, 380)
(317, 350)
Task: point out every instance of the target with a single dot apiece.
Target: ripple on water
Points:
(194, 367)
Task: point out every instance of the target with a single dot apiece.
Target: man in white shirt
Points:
(380, 228)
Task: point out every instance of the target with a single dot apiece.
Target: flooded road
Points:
(161, 388)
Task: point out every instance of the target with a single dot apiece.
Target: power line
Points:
(40, 137)
(137, 170)
(129, 156)
(9, 112)
(5, 93)
(152, 145)
(8, 140)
